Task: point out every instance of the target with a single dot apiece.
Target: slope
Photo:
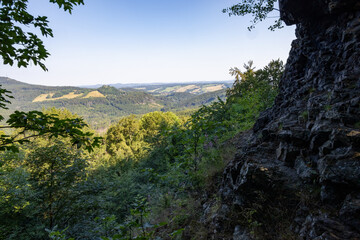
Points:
(100, 107)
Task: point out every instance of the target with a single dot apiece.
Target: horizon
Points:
(140, 42)
(138, 84)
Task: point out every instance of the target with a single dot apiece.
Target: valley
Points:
(104, 105)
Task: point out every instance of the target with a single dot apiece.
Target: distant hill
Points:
(106, 104)
(196, 88)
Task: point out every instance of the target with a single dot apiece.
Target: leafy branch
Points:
(19, 46)
(35, 124)
(258, 9)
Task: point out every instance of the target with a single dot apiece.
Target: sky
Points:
(147, 41)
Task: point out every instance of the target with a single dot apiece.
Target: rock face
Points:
(299, 176)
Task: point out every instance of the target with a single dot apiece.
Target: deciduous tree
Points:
(17, 43)
(20, 45)
(259, 11)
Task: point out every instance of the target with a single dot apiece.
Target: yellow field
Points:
(43, 97)
(196, 90)
(70, 96)
(94, 94)
(154, 90)
(214, 88)
(184, 89)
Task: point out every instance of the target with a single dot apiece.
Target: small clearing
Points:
(44, 97)
(197, 90)
(186, 88)
(214, 88)
(155, 90)
(70, 96)
(94, 94)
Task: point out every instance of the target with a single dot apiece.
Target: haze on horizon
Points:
(141, 41)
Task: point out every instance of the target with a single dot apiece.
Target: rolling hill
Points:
(106, 104)
(196, 88)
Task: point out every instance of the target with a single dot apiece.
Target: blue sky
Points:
(138, 41)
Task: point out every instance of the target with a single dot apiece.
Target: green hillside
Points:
(196, 88)
(193, 88)
(102, 106)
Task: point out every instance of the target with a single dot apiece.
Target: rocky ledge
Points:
(299, 175)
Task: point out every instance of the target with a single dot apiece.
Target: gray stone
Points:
(240, 233)
(350, 211)
(309, 169)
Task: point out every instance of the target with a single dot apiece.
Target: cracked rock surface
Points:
(299, 175)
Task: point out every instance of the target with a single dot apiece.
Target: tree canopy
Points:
(130, 136)
(17, 43)
(259, 10)
(23, 47)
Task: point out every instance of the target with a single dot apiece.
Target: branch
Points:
(40, 124)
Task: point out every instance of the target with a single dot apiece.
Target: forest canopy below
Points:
(104, 105)
(144, 179)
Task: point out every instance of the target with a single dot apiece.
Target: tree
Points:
(153, 123)
(272, 73)
(23, 47)
(131, 137)
(266, 78)
(253, 91)
(54, 172)
(259, 11)
(125, 138)
(38, 189)
(35, 124)
(244, 81)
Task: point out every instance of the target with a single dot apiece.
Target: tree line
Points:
(58, 180)
(144, 179)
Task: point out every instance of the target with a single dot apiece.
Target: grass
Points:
(186, 88)
(45, 97)
(94, 94)
(214, 88)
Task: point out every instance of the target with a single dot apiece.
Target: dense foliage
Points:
(22, 47)
(145, 181)
(34, 124)
(100, 111)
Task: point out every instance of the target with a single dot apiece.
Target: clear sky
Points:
(138, 41)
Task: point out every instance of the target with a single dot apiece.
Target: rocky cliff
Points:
(299, 175)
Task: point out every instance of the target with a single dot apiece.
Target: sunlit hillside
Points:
(106, 104)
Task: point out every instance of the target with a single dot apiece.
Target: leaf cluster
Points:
(259, 11)
(18, 45)
(4, 95)
(35, 124)
(132, 137)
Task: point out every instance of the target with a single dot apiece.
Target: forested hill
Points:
(106, 104)
(196, 88)
(153, 176)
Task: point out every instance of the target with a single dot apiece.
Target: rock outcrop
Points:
(299, 176)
